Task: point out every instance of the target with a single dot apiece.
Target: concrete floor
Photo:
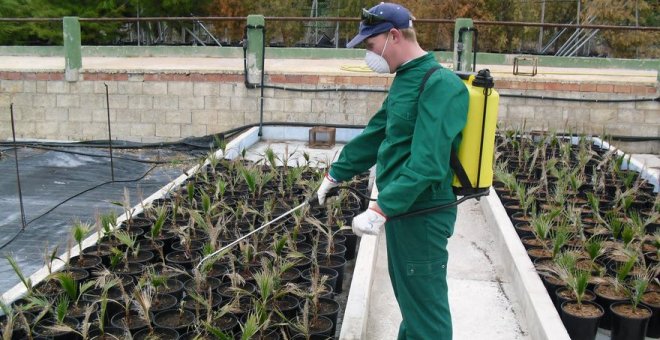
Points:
(479, 305)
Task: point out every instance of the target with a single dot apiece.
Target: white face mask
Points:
(376, 62)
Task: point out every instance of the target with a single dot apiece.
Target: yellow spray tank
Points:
(473, 162)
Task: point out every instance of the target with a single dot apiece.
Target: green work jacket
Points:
(410, 139)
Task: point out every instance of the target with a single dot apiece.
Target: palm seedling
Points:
(126, 205)
(211, 316)
(24, 279)
(60, 312)
(143, 297)
(79, 231)
(131, 244)
(575, 278)
(72, 290)
(50, 257)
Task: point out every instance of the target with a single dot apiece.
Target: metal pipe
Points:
(343, 19)
(107, 104)
(18, 177)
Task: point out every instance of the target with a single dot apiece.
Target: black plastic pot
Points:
(42, 331)
(158, 333)
(134, 325)
(173, 287)
(19, 329)
(210, 282)
(182, 259)
(337, 263)
(287, 305)
(627, 328)
(331, 273)
(199, 309)
(224, 289)
(654, 323)
(330, 309)
(322, 330)
(350, 243)
(579, 327)
(606, 302)
(180, 321)
(162, 302)
(88, 262)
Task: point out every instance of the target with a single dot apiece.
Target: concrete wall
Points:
(151, 107)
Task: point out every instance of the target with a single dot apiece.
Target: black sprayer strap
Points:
(459, 171)
(454, 162)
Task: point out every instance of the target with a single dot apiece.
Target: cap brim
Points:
(356, 40)
(368, 31)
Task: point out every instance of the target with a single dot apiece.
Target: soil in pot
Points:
(108, 333)
(43, 329)
(183, 259)
(20, 327)
(142, 257)
(87, 262)
(200, 309)
(226, 290)
(581, 321)
(162, 302)
(629, 324)
(173, 287)
(158, 333)
(319, 328)
(134, 322)
(179, 320)
(564, 294)
(331, 273)
(287, 305)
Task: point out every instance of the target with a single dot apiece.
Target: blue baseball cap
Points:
(381, 18)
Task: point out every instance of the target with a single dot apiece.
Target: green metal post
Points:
(72, 48)
(463, 50)
(255, 41)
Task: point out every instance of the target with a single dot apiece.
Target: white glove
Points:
(369, 222)
(327, 184)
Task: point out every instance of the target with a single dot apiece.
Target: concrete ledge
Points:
(541, 316)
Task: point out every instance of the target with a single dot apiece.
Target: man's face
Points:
(376, 43)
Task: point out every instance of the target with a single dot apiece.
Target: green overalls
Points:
(410, 140)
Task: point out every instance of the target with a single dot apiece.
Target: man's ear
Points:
(396, 34)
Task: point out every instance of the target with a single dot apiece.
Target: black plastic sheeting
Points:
(50, 177)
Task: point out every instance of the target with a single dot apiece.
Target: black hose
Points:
(416, 212)
(72, 197)
(100, 156)
(583, 100)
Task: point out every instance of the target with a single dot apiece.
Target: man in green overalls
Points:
(410, 140)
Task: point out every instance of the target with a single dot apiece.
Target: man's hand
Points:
(369, 222)
(327, 184)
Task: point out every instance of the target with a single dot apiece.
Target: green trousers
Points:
(417, 264)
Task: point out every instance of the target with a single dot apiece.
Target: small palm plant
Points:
(143, 297)
(79, 231)
(128, 209)
(24, 279)
(131, 244)
(72, 290)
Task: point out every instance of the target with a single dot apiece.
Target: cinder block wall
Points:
(154, 107)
